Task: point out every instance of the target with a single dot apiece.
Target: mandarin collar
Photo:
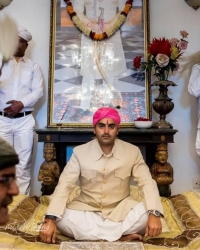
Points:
(21, 58)
(98, 153)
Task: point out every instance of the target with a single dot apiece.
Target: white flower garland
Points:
(120, 19)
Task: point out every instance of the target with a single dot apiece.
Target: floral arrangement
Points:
(163, 55)
(121, 18)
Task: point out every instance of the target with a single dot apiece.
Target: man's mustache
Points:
(7, 201)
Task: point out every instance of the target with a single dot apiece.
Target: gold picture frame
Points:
(75, 90)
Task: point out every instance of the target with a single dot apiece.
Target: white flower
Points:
(162, 60)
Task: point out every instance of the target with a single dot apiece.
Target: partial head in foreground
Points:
(106, 122)
(8, 186)
(24, 37)
(8, 38)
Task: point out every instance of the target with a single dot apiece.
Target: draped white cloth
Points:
(194, 89)
(84, 225)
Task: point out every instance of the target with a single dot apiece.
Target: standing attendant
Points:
(20, 88)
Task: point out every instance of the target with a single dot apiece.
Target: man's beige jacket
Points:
(105, 181)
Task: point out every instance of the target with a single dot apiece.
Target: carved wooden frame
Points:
(55, 26)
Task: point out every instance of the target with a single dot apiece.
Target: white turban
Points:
(8, 38)
(23, 33)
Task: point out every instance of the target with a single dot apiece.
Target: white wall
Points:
(167, 18)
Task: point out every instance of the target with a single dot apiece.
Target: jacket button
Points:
(103, 196)
(104, 181)
(103, 169)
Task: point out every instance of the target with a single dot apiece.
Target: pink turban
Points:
(106, 113)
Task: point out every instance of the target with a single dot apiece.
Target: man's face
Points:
(106, 131)
(8, 189)
(22, 46)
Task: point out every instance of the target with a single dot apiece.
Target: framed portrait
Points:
(85, 75)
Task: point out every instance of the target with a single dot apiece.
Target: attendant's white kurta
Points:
(111, 8)
(194, 89)
(20, 81)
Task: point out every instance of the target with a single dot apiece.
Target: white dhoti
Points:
(84, 225)
(19, 132)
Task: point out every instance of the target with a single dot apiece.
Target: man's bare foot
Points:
(130, 237)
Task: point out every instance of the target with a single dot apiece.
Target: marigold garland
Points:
(121, 18)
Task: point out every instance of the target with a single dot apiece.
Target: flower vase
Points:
(163, 105)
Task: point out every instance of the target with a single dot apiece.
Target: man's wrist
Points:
(155, 213)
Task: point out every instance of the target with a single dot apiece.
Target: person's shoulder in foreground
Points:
(194, 81)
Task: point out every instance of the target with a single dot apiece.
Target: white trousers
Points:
(84, 225)
(19, 133)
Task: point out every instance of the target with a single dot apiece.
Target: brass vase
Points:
(163, 105)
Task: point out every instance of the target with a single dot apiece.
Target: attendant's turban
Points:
(25, 34)
(8, 156)
(106, 113)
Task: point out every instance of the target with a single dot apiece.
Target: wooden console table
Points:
(75, 136)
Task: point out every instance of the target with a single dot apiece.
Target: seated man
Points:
(8, 186)
(104, 210)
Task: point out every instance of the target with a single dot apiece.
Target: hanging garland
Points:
(121, 18)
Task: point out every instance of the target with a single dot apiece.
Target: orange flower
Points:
(69, 7)
(101, 37)
(96, 36)
(127, 8)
